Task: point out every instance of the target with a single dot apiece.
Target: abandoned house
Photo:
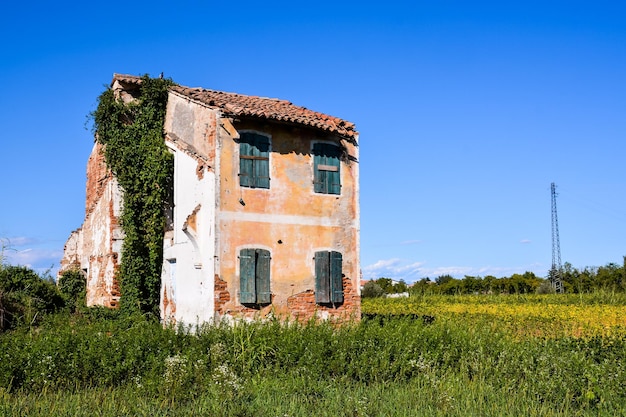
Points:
(265, 217)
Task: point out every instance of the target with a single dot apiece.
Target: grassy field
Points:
(520, 315)
(554, 355)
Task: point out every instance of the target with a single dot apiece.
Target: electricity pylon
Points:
(555, 272)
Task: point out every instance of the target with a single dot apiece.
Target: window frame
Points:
(254, 161)
(254, 276)
(329, 277)
(326, 167)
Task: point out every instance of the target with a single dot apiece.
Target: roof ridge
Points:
(241, 105)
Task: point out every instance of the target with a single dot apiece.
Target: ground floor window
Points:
(254, 275)
(328, 277)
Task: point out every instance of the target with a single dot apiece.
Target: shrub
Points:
(72, 286)
(25, 296)
(372, 290)
(545, 288)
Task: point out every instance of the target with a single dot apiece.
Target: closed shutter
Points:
(247, 276)
(336, 278)
(328, 277)
(319, 180)
(322, 279)
(254, 160)
(262, 161)
(334, 177)
(245, 165)
(263, 293)
(327, 174)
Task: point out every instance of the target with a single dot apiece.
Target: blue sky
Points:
(467, 112)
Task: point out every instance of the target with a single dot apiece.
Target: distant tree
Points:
(545, 288)
(488, 283)
(590, 278)
(609, 277)
(451, 286)
(372, 290)
(423, 286)
(442, 279)
(386, 284)
(521, 283)
(470, 285)
(400, 287)
(582, 281)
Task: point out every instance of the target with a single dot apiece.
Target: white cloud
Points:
(385, 263)
(33, 253)
(34, 257)
(397, 269)
(410, 242)
(455, 271)
(525, 241)
(17, 241)
(394, 268)
(411, 268)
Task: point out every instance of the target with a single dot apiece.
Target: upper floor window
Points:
(254, 160)
(328, 277)
(254, 276)
(327, 174)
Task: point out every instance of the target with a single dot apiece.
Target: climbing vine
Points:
(134, 149)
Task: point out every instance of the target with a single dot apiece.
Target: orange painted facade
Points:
(290, 220)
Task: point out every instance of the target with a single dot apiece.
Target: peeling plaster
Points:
(200, 272)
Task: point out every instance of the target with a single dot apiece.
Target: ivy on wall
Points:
(135, 151)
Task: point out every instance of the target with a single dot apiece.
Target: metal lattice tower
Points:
(555, 271)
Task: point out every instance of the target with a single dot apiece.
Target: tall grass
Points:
(454, 366)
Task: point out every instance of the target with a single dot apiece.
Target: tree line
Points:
(610, 277)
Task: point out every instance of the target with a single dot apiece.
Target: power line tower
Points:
(555, 271)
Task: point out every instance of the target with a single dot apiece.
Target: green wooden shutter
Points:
(254, 163)
(326, 163)
(322, 279)
(319, 180)
(262, 165)
(247, 279)
(333, 179)
(336, 278)
(263, 294)
(245, 165)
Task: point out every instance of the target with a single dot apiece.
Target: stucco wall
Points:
(289, 220)
(188, 285)
(188, 268)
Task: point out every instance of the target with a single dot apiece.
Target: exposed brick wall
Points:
(114, 256)
(71, 252)
(168, 309)
(222, 296)
(97, 177)
(95, 246)
(302, 306)
(351, 300)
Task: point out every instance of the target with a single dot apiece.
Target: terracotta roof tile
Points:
(125, 78)
(239, 105)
